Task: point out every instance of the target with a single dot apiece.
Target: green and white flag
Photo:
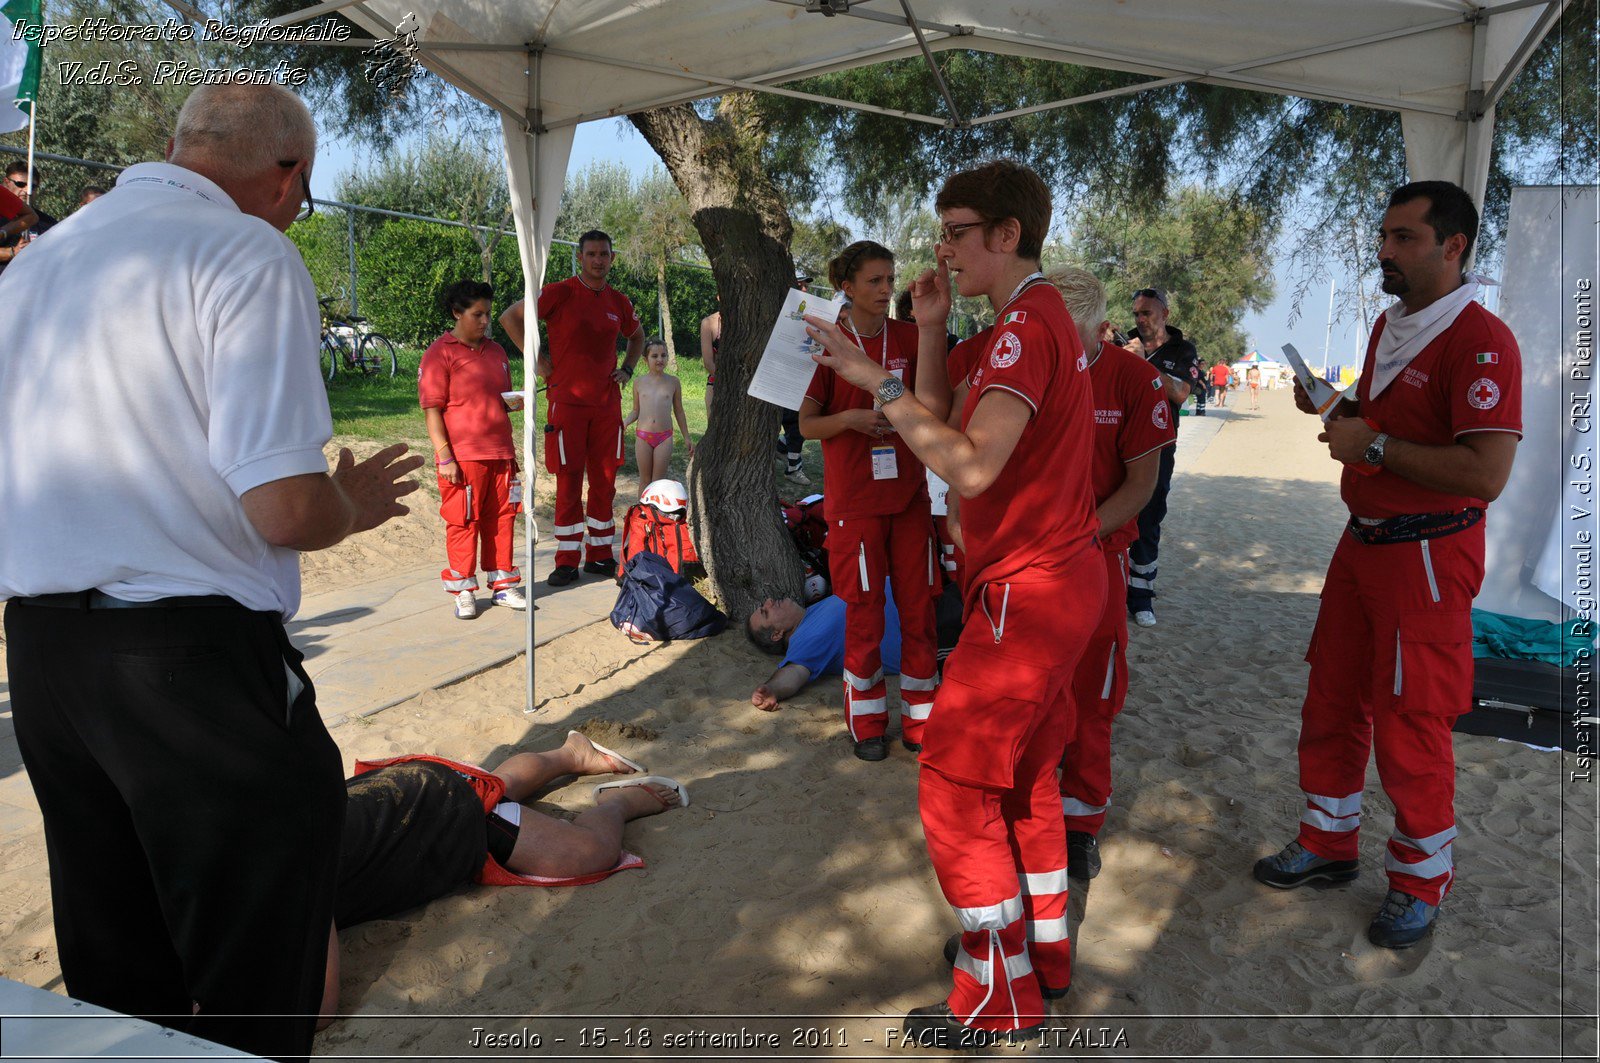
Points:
(19, 66)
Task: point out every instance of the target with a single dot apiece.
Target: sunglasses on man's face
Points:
(308, 207)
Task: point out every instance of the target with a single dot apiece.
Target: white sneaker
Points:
(1145, 618)
(511, 598)
(466, 606)
(798, 476)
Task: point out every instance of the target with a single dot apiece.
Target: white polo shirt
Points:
(160, 360)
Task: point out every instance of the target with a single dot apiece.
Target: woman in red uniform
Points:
(1019, 457)
(880, 527)
(460, 385)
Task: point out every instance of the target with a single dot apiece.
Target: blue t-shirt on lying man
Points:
(818, 643)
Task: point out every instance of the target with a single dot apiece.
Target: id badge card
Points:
(884, 464)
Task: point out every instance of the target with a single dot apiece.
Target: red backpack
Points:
(646, 528)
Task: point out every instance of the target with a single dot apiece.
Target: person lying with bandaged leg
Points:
(417, 827)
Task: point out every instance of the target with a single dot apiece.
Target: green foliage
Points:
(1209, 251)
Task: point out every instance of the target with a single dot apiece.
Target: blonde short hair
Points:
(239, 131)
(1085, 297)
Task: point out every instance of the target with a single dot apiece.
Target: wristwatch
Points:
(889, 389)
(1374, 453)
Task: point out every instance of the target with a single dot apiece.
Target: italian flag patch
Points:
(1488, 358)
(1016, 317)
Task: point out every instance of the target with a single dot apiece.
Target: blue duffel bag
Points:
(656, 604)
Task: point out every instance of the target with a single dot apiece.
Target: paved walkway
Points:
(373, 645)
(376, 644)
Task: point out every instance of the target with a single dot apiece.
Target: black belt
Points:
(101, 600)
(1413, 527)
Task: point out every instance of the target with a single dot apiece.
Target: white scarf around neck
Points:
(1405, 335)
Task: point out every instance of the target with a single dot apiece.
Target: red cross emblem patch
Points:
(1484, 394)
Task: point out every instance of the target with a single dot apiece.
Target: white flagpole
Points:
(33, 123)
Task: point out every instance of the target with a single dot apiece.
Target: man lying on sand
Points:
(418, 827)
(811, 640)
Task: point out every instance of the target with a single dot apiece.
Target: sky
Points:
(614, 140)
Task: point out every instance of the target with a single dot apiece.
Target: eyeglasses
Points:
(1152, 293)
(949, 234)
(18, 184)
(309, 206)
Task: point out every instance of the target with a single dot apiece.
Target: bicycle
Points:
(347, 342)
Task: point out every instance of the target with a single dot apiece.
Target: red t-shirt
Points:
(466, 384)
(1220, 375)
(584, 326)
(1131, 419)
(1038, 515)
(1469, 379)
(12, 205)
(847, 462)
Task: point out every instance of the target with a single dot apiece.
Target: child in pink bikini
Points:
(657, 398)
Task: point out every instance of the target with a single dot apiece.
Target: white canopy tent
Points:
(547, 65)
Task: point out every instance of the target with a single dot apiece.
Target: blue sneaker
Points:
(1298, 866)
(1403, 921)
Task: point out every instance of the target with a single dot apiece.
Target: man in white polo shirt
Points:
(162, 423)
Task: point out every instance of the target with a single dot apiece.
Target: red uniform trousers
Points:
(480, 521)
(862, 551)
(988, 795)
(1391, 667)
(583, 440)
(1099, 689)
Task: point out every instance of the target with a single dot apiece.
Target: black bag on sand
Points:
(656, 604)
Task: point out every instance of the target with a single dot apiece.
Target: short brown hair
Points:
(848, 262)
(999, 190)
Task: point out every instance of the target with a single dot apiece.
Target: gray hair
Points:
(241, 130)
(1085, 297)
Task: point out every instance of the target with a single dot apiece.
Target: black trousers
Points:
(790, 441)
(1144, 551)
(191, 815)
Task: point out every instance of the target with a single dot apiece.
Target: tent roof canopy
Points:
(553, 63)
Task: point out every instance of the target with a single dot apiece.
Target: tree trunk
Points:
(666, 314)
(744, 226)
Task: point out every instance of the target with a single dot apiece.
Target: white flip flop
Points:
(662, 780)
(603, 751)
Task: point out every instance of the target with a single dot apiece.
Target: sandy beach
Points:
(794, 896)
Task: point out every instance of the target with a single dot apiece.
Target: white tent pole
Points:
(933, 67)
(33, 125)
(1519, 58)
(530, 379)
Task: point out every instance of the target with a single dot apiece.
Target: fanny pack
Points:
(1413, 527)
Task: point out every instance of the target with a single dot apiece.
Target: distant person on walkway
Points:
(586, 317)
(1252, 380)
(880, 526)
(710, 343)
(419, 827)
(163, 424)
(461, 385)
(1164, 347)
(1220, 374)
(1132, 426)
(1427, 444)
(657, 399)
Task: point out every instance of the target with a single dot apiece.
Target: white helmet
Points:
(668, 496)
